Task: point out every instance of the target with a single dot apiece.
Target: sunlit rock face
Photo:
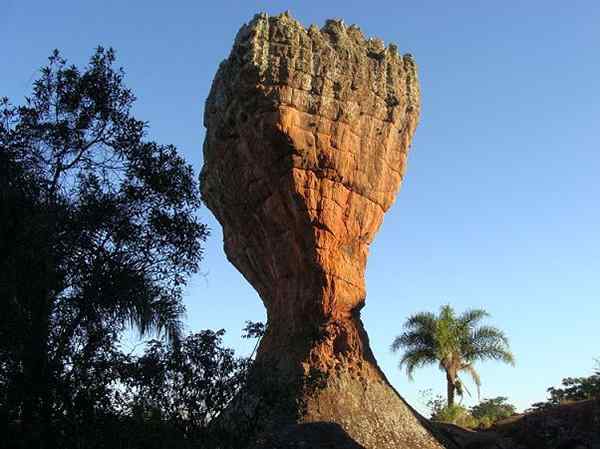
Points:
(308, 132)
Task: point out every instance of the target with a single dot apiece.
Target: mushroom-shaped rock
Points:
(307, 137)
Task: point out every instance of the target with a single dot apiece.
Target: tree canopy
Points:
(98, 231)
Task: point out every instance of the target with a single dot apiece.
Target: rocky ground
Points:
(569, 426)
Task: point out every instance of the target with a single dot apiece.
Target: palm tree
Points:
(453, 342)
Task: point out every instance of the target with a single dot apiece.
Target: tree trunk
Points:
(37, 301)
(451, 389)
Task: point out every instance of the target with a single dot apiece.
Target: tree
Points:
(573, 389)
(489, 411)
(187, 386)
(453, 342)
(98, 231)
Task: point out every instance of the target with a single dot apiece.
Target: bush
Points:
(483, 415)
(455, 414)
(489, 411)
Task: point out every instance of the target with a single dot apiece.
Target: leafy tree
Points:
(492, 410)
(188, 386)
(573, 389)
(98, 231)
(453, 342)
(254, 330)
(166, 397)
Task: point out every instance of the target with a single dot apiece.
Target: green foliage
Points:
(483, 415)
(453, 342)
(433, 403)
(489, 411)
(98, 231)
(456, 414)
(453, 414)
(573, 389)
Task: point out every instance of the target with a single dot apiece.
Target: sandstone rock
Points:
(307, 137)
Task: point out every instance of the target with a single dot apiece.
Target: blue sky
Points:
(499, 208)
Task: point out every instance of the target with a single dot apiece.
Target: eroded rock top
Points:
(334, 73)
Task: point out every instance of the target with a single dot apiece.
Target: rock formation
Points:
(308, 132)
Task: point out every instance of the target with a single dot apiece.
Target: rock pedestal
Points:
(308, 132)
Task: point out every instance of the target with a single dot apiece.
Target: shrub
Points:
(455, 414)
(489, 411)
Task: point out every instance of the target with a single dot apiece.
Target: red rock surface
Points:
(308, 132)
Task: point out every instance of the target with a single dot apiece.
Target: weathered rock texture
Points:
(307, 137)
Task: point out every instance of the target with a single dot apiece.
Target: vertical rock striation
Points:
(307, 137)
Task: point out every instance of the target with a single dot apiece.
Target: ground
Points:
(569, 426)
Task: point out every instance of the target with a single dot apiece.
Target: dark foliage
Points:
(186, 387)
(572, 389)
(98, 231)
(172, 395)
(165, 397)
(254, 330)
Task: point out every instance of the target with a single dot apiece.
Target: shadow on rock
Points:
(315, 435)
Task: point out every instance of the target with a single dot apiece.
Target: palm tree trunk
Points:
(451, 389)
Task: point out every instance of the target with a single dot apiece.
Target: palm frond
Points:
(487, 342)
(475, 376)
(489, 333)
(421, 338)
(461, 388)
(167, 318)
(414, 359)
(496, 353)
(162, 314)
(421, 320)
(471, 317)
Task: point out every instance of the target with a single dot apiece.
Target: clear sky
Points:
(499, 208)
